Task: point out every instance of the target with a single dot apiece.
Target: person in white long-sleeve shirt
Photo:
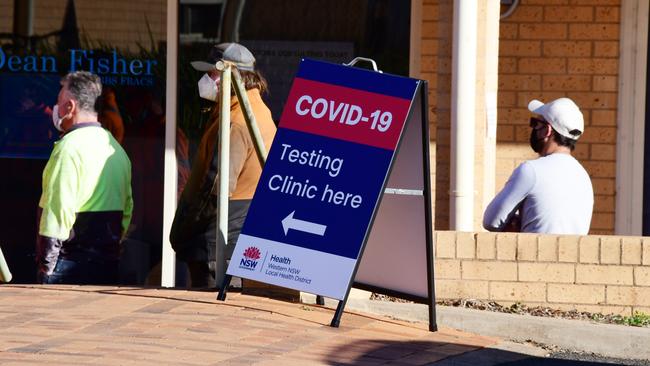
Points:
(553, 193)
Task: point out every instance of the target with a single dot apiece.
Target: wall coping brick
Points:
(593, 271)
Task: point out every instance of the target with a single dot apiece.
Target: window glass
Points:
(124, 43)
(280, 33)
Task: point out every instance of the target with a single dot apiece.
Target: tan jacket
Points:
(245, 169)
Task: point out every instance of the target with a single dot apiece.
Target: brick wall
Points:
(436, 68)
(604, 274)
(436, 61)
(550, 49)
(547, 49)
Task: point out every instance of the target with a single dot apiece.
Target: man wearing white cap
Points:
(551, 194)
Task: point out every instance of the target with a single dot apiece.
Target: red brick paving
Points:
(81, 325)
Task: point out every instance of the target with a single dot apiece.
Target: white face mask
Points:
(208, 88)
(56, 120)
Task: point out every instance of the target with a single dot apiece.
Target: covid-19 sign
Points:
(323, 177)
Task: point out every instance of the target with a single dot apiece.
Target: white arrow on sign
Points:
(308, 227)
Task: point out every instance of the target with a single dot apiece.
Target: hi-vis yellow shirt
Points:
(88, 171)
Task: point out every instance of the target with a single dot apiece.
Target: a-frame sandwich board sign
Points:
(323, 180)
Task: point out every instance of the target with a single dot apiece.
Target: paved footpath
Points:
(82, 325)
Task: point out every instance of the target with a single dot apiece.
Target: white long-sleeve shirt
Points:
(553, 194)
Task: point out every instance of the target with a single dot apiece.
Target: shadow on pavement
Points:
(490, 356)
(374, 352)
(446, 354)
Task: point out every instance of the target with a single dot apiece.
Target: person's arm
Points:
(59, 206)
(500, 215)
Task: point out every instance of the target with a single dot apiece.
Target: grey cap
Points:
(232, 52)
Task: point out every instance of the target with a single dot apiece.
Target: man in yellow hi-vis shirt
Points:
(86, 201)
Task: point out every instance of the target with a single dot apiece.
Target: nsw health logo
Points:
(249, 262)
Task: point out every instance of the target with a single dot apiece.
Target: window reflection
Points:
(122, 42)
(280, 33)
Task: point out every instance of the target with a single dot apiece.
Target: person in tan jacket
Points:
(194, 231)
(109, 115)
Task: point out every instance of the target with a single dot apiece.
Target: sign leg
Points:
(337, 315)
(428, 216)
(224, 288)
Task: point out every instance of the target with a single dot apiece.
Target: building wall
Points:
(436, 68)
(601, 274)
(436, 61)
(549, 49)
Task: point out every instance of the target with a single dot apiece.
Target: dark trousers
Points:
(83, 272)
(202, 271)
(201, 275)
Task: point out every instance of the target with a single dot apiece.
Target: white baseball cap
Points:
(563, 115)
